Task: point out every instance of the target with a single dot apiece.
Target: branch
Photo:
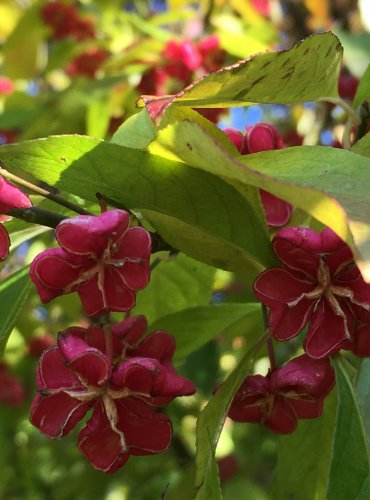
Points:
(35, 215)
(43, 192)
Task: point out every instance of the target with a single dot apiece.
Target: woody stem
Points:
(43, 192)
(107, 328)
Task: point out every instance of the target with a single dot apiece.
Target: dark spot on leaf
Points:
(63, 159)
(267, 63)
(306, 52)
(259, 80)
(287, 63)
(323, 172)
(189, 146)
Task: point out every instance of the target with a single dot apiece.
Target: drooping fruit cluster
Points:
(182, 62)
(78, 375)
(116, 371)
(101, 258)
(87, 63)
(65, 21)
(294, 391)
(319, 286)
(263, 137)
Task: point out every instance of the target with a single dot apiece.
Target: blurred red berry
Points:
(227, 467)
(212, 54)
(61, 17)
(11, 389)
(65, 21)
(211, 114)
(6, 86)
(84, 29)
(347, 85)
(88, 63)
(292, 138)
(183, 61)
(7, 136)
(37, 345)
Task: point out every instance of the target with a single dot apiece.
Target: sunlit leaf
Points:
(175, 285)
(306, 72)
(194, 327)
(194, 211)
(328, 183)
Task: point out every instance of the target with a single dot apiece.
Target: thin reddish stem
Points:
(270, 345)
(102, 202)
(107, 328)
(271, 353)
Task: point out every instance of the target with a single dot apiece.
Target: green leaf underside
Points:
(194, 327)
(306, 72)
(363, 391)
(328, 183)
(350, 465)
(23, 48)
(136, 132)
(27, 232)
(209, 427)
(362, 147)
(182, 283)
(363, 89)
(177, 199)
(304, 457)
(13, 293)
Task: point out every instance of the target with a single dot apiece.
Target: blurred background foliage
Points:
(78, 67)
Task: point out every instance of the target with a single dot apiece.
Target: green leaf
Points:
(350, 465)
(194, 211)
(209, 427)
(24, 54)
(23, 235)
(363, 89)
(304, 457)
(328, 183)
(13, 293)
(362, 147)
(210, 151)
(194, 327)
(175, 284)
(136, 132)
(363, 392)
(98, 117)
(308, 71)
(356, 50)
